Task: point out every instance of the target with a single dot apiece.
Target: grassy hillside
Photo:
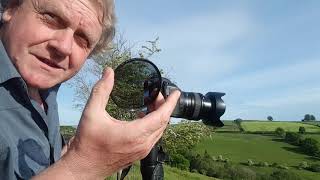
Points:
(239, 148)
(267, 126)
(134, 174)
(169, 174)
(229, 126)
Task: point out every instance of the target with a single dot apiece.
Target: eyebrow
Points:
(63, 18)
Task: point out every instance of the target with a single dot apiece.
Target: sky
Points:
(263, 54)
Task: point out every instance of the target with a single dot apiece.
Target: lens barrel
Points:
(196, 106)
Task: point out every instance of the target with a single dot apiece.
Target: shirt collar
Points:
(7, 69)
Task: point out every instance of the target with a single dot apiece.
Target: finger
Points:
(157, 103)
(152, 140)
(141, 114)
(102, 89)
(161, 116)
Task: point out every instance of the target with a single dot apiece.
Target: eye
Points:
(51, 19)
(82, 40)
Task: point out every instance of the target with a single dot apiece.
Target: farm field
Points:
(229, 126)
(238, 148)
(265, 126)
(315, 136)
(170, 173)
(257, 143)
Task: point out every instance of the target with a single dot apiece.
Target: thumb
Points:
(102, 89)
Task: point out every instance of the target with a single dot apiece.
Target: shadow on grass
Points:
(294, 149)
(278, 140)
(312, 158)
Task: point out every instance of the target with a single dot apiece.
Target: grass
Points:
(239, 148)
(267, 126)
(134, 174)
(315, 136)
(229, 126)
(170, 173)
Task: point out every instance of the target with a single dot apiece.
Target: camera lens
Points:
(137, 84)
(196, 106)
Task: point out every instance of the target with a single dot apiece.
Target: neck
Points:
(35, 95)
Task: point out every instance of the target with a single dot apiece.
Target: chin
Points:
(40, 83)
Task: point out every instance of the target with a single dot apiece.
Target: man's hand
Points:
(103, 145)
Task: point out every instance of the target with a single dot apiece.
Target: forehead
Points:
(86, 8)
(84, 14)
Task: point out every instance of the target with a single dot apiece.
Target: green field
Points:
(169, 174)
(134, 174)
(267, 126)
(239, 148)
(229, 126)
(314, 136)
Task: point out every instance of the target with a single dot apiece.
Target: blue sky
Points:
(263, 54)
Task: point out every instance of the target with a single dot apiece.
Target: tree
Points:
(180, 138)
(293, 138)
(270, 118)
(309, 117)
(238, 121)
(280, 132)
(119, 52)
(306, 117)
(310, 146)
(302, 130)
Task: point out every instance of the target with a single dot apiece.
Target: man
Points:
(44, 43)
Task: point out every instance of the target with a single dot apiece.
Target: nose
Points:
(62, 42)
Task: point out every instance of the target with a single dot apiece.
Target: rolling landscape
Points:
(255, 147)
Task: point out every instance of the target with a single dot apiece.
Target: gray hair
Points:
(108, 23)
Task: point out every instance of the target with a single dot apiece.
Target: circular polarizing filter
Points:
(137, 84)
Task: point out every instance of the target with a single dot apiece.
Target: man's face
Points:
(48, 41)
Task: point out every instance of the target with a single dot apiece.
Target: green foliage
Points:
(280, 132)
(67, 132)
(302, 130)
(179, 161)
(271, 126)
(284, 175)
(315, 167)
(310, 146)
(220, 158)
(303, 165)
(238, 123)
(283, 166)
(309, 117)
(250, 162)
(293, 138)
(180, 138)
(263, 164)
(238, 120)
(241, 173)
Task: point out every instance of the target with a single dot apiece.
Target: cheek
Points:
(77, 60)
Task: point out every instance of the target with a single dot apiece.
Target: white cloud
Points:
(275, 77)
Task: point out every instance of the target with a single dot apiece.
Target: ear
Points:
(9, 10)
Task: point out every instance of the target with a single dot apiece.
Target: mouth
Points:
(49, 63)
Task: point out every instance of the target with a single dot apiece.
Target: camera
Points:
(138, 82)
(196, 106)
